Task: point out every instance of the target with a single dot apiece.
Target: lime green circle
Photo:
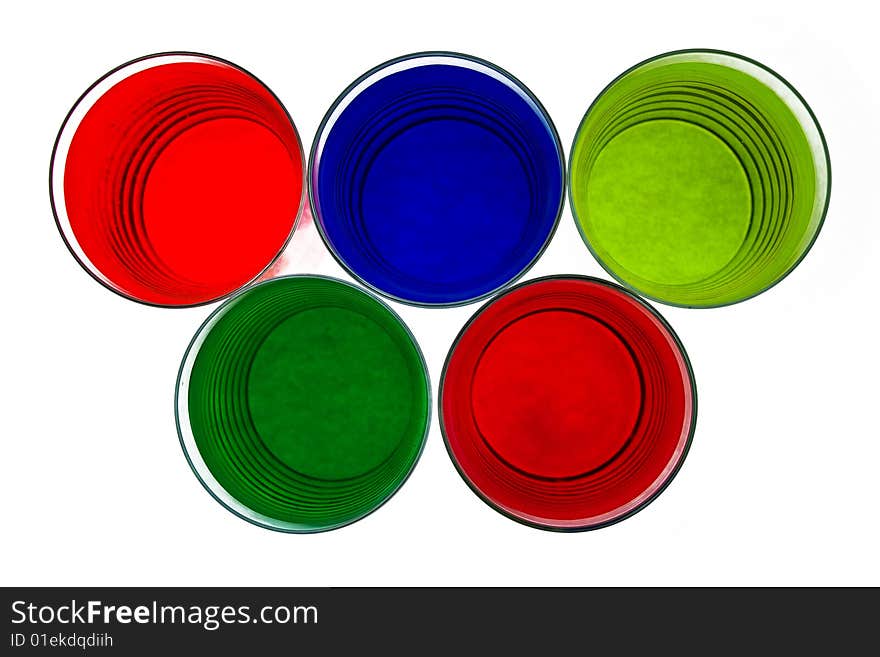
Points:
(668, 201)
(699, 178)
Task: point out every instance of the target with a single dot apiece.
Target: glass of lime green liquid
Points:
(699, 178)
(303, 404)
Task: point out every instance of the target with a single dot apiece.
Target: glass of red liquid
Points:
(177, 179)
(567, 403)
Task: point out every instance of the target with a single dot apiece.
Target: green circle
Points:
(302, 406)
(306, 403)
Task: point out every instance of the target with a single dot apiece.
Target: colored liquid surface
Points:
(307, 402)
(567, 403)
(654, 212)
(182, 182)
(437, 180)
(695, 182)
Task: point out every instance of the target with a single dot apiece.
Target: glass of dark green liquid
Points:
(699, 178)
(303, 404)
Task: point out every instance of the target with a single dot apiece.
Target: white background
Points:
(781, 484)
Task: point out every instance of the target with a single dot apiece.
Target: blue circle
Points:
(437, 179)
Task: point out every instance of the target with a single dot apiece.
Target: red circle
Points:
(182, 181)
(567, 403)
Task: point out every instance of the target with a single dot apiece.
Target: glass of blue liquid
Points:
(436, 179)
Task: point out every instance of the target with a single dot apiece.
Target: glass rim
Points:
(668, 477)
(197, 463)
(364, 77)
(69, 127)
(826, 160)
